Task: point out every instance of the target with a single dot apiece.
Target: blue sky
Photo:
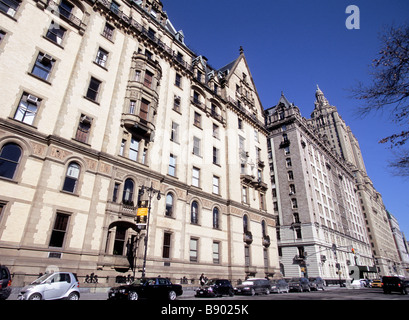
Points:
(293, 45)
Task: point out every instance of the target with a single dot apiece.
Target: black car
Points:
(397, 284)
(5, 282)
(146, 288)
(299, 284)
(316, 283)
(215, 287)
(253, 286)
(279, 286)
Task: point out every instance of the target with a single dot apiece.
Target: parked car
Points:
(316, 283)
(397, 284)
(376, 283)
(215, 287)
(279, 286)
(253, 286)
(5, 282)
(52, 286)
(146, 288)
(299, 284)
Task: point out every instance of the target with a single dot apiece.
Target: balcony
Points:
(266, 241)
(285, 143)
(138, 125)
(248, 237)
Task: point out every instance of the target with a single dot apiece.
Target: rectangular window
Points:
(174, 136)
(196, 177)
(122, 149)
(9, 7)
(93, 88)
(265, 255)
(244, 194)
(2, 205)
(166, 245)
(108, 31)
(115, 192)
(102, 57)
(262, 201)
(176, 103)
(178, 80)
(216, 252)
(216, 182)
(247, 256)
(216, 131)
(216, 159)
(172, 165)
(83, 129)
(193, 250)
(59, 230)
(132, 105)
(43, 65)
(56, 33)
(143, 112)
(65, 8)
(148, 79)
(197, 121)
(133, 150)
(196, 146)
(27, 108)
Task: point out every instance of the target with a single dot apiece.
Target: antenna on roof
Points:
(241, 50)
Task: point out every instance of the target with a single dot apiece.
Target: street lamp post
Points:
(151, 192)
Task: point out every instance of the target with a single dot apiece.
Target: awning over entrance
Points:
(357, 272)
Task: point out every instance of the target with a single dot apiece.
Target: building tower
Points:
(319, 220)
(329, 125)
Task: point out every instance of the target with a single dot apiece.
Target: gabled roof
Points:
(228, 70)
(283, 100)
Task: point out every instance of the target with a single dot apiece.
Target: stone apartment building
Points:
(328, 123)
(320, 227)
(102, 98)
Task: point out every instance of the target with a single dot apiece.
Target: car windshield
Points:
(248, 283)
(42, 278)
(211, 282)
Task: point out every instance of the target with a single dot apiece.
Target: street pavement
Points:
(330, 293)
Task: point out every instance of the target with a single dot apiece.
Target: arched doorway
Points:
(122, 244)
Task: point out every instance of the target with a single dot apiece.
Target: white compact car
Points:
(52, 286)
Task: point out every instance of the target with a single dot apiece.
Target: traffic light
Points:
(353, 250)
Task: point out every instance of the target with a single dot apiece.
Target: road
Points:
(330, 293)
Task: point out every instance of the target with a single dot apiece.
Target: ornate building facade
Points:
(103, 98)
(320, 227)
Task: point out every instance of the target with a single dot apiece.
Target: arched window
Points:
(169, 204)
(245, 224)
(194, 212)
(9, 160)
(127, 196)
(71, 177)
(215, 218)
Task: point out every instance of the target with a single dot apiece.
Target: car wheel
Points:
(172, 295)
(35, 296)
(231, 293)
(73, 296)
(253, 292)
(133, 295)
(267, 291)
